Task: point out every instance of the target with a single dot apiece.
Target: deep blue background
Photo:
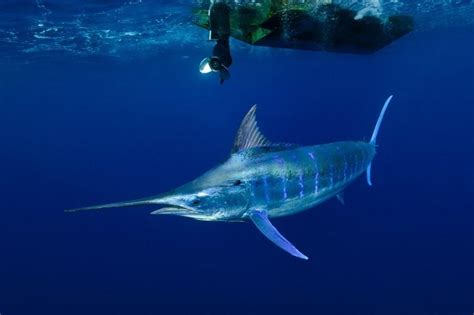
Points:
(82, 132)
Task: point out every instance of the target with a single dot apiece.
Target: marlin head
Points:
(205, 200)
(218, 195)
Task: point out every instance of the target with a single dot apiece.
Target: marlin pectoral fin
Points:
(260, 219)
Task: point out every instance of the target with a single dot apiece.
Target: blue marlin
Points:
(263, 180)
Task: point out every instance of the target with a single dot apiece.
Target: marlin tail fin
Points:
(374, 135)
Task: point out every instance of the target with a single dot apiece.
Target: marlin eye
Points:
(195, 202)
(237, 182)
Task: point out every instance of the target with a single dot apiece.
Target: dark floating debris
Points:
(300, 25)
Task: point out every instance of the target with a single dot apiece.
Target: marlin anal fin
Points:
(248, 135)
(340, 197)
(260, 219)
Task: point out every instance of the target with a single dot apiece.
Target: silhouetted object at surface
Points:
(219, 25)
(327, 27)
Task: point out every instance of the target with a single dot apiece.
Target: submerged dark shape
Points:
(328, 26)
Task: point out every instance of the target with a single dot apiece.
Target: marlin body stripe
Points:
(290, 181)
(263, 180)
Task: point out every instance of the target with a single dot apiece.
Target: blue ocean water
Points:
(105, 107)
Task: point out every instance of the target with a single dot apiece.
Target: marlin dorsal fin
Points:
(249, 135)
